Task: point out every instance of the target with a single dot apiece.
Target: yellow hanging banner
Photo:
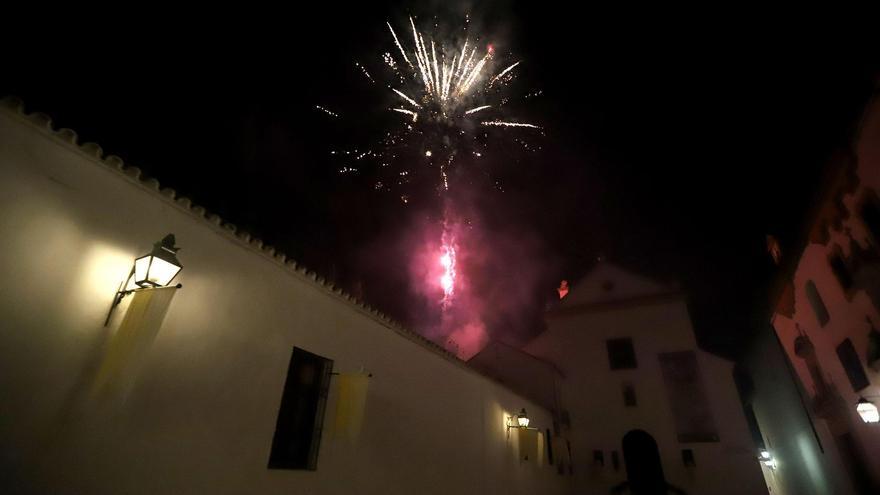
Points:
(540, 449)
(350, 403)
(528, 444)
(129, 345)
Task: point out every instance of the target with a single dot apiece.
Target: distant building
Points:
(636, 400)
(827, 322)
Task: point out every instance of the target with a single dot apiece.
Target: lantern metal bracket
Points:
(122, 292)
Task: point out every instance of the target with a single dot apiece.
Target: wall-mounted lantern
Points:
(159, 267)
(867, 410)
(529, 440)
(518, 421)
(767, 459)
(522, 419)
(154, 269)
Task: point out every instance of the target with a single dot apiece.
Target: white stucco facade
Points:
(822, 312)
(201, 414)
(612, 303)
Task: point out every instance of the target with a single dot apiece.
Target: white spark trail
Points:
(451, 73)
(505, 71)
(436, 72)
(427, 61)
(442, 78)
(461, 58)
(509, 124)
(407, 98)
(475, 72)
(475, 110)
(419, 56)
(466, 66)
(328, 112)
(361, 67)
(407, 112)
(399, 46)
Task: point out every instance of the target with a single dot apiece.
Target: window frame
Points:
(621, 353)
(817, 303)
(301, 401)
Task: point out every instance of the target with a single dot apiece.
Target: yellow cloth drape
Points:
(129, 345)
(528, 444)
(350, 403)
(540, 449)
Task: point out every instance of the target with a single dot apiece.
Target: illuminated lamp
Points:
(867, 410)
(159, 267)
(522, 419)
(767, 459)
(152, 270)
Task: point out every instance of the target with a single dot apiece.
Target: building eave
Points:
(616, 304)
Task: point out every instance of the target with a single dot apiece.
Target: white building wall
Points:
(201, 416)
(847, 311)
(592, 393)
(807, 461)
(533, 378)
(847, 321)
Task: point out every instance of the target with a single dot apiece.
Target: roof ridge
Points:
(528, 354)
(69, 137)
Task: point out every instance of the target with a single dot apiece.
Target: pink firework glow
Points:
(441, 255)
(447, 279)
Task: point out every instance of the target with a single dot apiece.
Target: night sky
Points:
(672, 147)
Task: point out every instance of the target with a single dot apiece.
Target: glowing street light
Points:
(522, 419)
(152, 270)
(867, 410)
(159, 267)
(767, 459)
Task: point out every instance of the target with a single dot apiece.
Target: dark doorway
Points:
(643, 468)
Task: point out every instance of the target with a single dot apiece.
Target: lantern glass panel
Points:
(141, 269)
(153, 271)
(868, 411)
(162, 272)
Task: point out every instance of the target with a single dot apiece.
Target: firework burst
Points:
(452, 85)
(448, 97)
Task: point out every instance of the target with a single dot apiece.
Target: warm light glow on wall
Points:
(100, 266)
